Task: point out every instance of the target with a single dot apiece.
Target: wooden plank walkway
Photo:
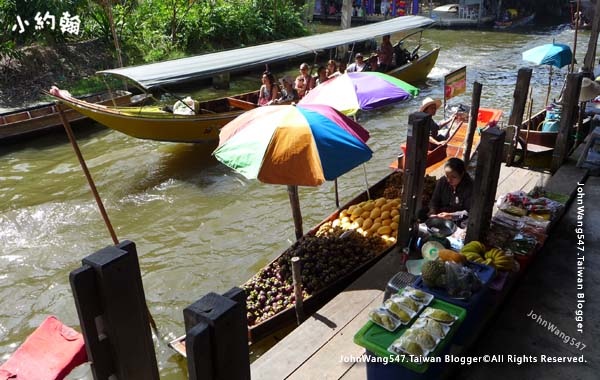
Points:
(316, 349)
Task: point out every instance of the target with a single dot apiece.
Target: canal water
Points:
(198, 226)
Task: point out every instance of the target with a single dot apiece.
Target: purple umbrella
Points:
(363, 90)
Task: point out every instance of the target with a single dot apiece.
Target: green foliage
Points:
(151, 30)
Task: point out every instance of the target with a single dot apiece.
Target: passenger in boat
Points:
(438, 132)
(342, 67)
(269, 90)
(288, 92)
(303, 81)
(358, 65)
(385, 54)
(331, 68)
(372, 64)
(453, 191)
(321, 76)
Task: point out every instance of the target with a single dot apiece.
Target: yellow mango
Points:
(380, 202)
(384, 230)
(367, 224)
(376, 212)
(394, 212)
(365, 214)
(369, 205)
(385, 215)
(386, 207)
(356, 212)
(374, 228)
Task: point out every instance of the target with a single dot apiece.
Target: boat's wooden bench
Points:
(535, 148)
(238, 103)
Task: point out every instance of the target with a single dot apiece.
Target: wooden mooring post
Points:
(110, 302)
(518, 110)
(475, 101)
(485, 183)
(417, 143)
(216, 341)
(567, 119)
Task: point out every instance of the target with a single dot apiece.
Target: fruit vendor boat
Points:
(389, 188)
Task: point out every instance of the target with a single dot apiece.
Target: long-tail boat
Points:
(45, 117)
(210, 115)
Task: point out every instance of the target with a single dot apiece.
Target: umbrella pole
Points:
(366, 182)
(296, 214)
(529, 126)
(549, 86)
(337, 196)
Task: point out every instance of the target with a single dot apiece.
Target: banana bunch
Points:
(473, 256)
(476, 252)
(496, 258)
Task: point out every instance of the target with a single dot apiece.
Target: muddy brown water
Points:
(198, 226)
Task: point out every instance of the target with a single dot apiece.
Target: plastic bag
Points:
(461, 281)
(185, 107)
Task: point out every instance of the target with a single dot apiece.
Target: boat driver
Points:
(438, 132)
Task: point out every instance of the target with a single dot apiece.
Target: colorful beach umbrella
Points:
(362, 90)
(301, 145)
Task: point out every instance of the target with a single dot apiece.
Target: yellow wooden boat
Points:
(155, 123)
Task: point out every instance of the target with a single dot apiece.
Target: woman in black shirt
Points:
(452, 192)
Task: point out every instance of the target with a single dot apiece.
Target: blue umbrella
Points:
(553, 54)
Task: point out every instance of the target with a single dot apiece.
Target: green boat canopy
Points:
(183, 70)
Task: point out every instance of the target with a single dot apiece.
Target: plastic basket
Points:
(376, 339)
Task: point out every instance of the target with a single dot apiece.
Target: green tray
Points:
(377, 339)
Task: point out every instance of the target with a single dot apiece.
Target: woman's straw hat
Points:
(429, 101)
(589, 90)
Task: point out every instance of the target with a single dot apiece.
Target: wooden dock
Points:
(322, 347)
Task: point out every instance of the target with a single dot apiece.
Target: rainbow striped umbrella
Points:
(302, 145)
(366, 90)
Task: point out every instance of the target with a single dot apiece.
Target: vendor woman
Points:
(453, 192)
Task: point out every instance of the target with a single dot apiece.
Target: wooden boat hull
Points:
(153, 123)
(317, 300)
(416, 71)
(44, 118)
(530, 132)
(311, 304)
